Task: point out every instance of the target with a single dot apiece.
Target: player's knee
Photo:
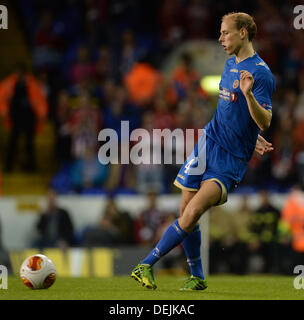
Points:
(196, 212)
(190, 217)
(182, 208)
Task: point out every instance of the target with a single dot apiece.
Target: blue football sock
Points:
(173, 236)
(192, 247)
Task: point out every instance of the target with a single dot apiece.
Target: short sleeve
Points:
(263, 88)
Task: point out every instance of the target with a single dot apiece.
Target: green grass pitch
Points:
(253, 287)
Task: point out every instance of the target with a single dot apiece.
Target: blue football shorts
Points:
(209, 161)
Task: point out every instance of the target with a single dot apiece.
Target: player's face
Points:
(230, 37)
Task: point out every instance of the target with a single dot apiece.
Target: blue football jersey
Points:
(232, 126)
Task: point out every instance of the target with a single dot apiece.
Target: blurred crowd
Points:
(263, 240)
(96, 63)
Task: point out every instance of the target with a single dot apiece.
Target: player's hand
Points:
(262, 146)
(246, 81)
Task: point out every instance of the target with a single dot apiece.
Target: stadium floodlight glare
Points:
(210, 83)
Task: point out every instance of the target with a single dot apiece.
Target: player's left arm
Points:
(263, 146)
(261, 116)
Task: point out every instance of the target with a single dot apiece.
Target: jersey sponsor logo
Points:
(234, 70)
(227, 95)
(235, 84)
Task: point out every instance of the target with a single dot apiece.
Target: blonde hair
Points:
(243, 20)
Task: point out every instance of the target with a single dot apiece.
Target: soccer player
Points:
(230, 138)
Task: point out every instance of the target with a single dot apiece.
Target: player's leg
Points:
(172, 237)
(192, 248)
(209, 194)
(185, 199)
(192, 243)
(141, 271)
